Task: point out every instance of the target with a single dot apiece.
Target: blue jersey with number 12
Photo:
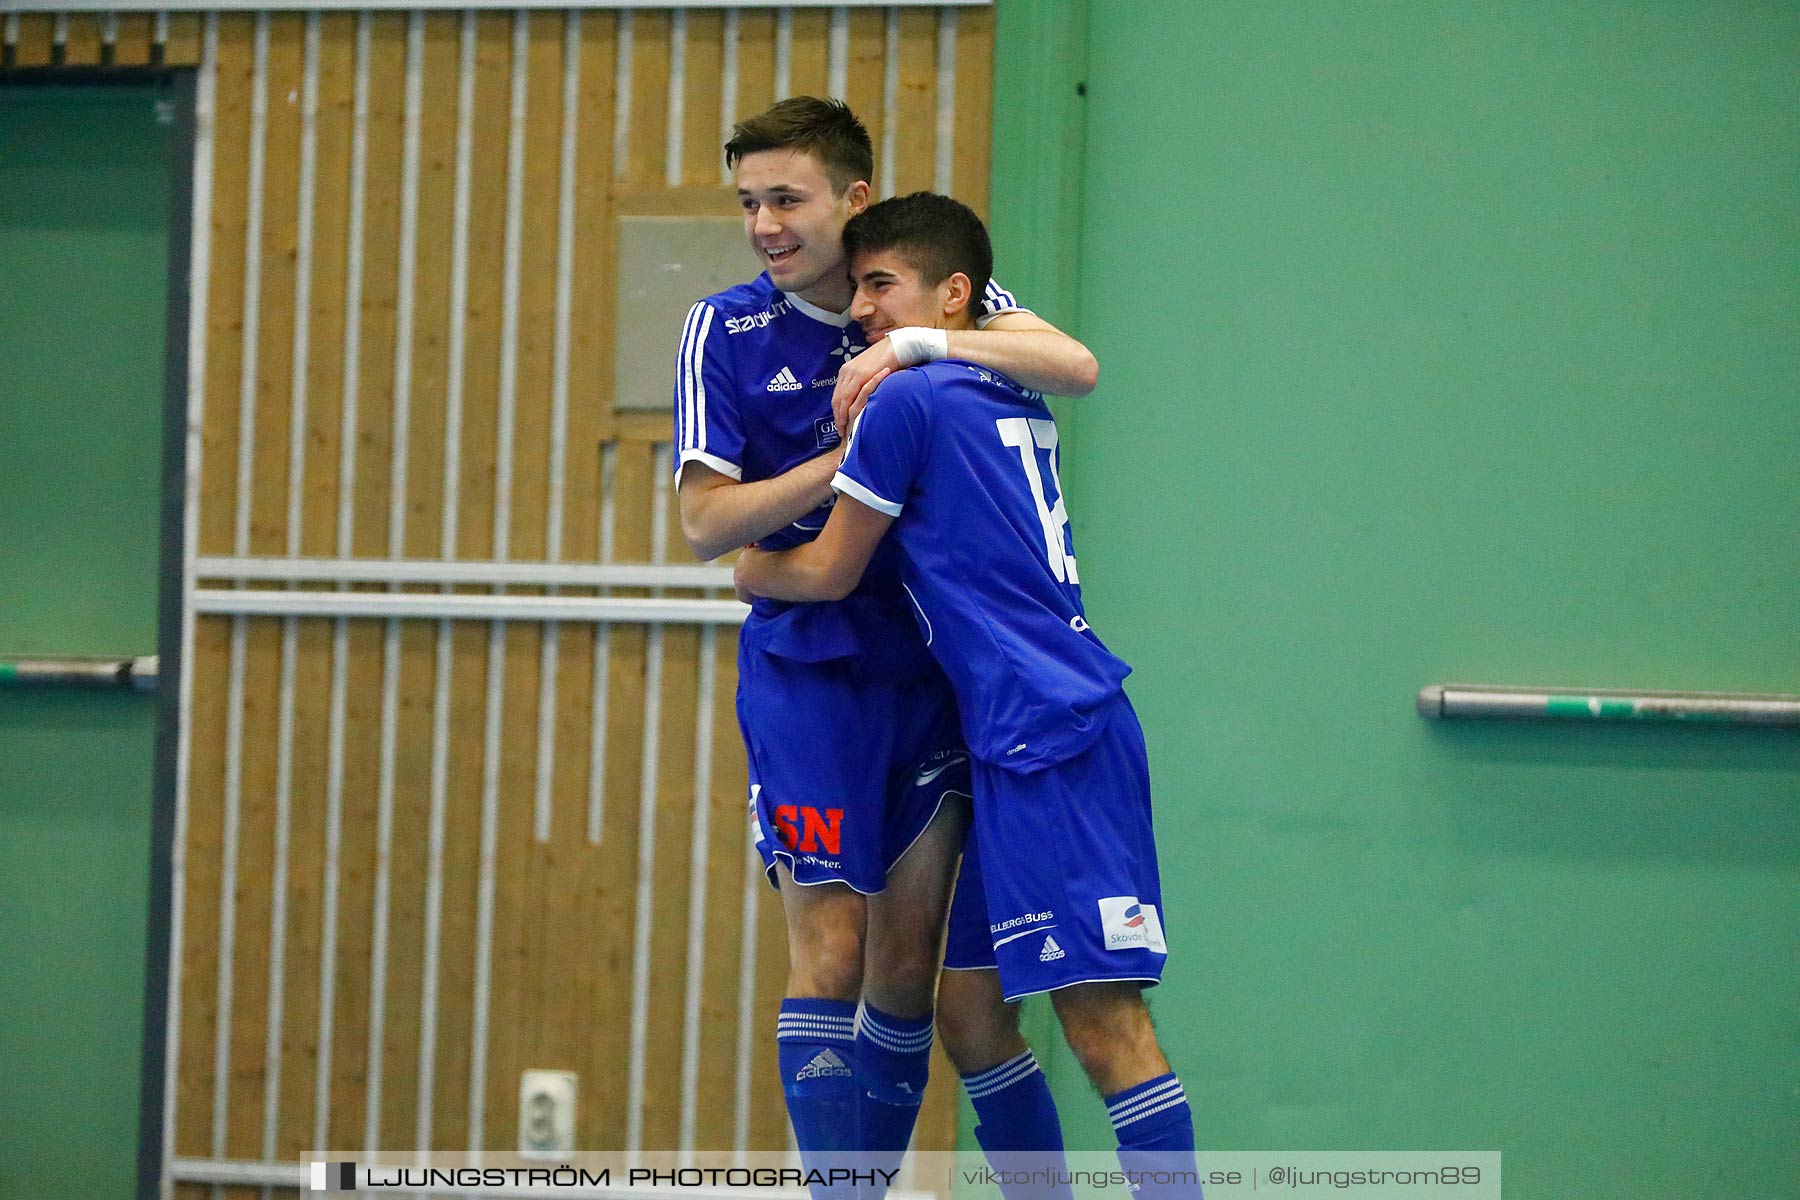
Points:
(967, 462)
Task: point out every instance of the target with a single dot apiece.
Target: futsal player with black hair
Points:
(954, 467)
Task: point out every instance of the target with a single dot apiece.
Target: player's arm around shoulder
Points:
(1032, 351)
(1016, 343)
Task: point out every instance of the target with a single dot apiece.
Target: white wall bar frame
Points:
(199, 272)
(290, 631)
(234, 715)
(549, 646)
(653, 611)
(607, 537)
(440, 572)
(340, 633)
(162, 6)
(661, 469)
(700, 850)
(1442, 701)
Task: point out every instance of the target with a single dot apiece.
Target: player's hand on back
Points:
(857, 375)
(746, 561)
(860, 402)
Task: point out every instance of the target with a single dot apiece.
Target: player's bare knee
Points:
(1101, 1021)
(977, 1037)
(826, 961)
(901, 975)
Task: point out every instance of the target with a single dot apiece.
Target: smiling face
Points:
(891, 293)
(795, 223)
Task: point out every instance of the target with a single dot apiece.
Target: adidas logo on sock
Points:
(1051, 951)
(825, 1062)
(784, 382)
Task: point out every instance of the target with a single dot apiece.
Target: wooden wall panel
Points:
(562, 954)
(183, 45)
(37, 40)
(808, 70)
(81, 40)
(131, 46)
(974, 106)
(915, 138)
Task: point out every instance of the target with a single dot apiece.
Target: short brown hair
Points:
(825, 129)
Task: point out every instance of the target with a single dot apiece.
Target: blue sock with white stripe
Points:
(893, 1060)
(1155, 1128)
(1018, 1127)
(816, 1043)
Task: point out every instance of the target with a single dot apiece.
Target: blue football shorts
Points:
(1062, 884)
(845, 771)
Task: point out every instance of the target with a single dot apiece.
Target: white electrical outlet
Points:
(547, 1114)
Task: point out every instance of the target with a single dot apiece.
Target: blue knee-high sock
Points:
(1018, 1127)
(1155, 1128)
(816, 1041)
(893, 1060)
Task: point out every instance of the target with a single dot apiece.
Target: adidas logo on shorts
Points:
(825, 1062)
(784, 382)
(1051, 951)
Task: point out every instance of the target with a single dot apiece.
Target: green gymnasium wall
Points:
(85, 194)
(1443, 342)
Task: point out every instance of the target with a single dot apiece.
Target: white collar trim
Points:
(823, 315)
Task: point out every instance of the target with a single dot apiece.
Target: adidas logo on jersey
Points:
(825, 1062)
(1051, 951)
(784, 382)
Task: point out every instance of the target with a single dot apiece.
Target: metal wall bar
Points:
(661, 468)
(549, 658)
(404, 315)
(622, 94)
(1442, 701)
(944, 164)
(284, 740)
(655, 612)
(609, 460)
(234, 721)
(181, 6)
(728, 89)
(837, 57)
(497, 631)
(139, 674)
(890, 108)
(784, 54)
(428, 571)
(340, 633)
(700, 847)
(199, 276)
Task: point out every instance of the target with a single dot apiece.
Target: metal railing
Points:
(1454, 701)
(136, 674)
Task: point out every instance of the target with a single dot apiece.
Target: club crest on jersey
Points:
(826, 431)
(784, 381)
(802, 827)
(1126, 924)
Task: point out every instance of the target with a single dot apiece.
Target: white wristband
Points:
(915, 344)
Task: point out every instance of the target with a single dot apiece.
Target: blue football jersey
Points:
(967, 462)
(753, 381)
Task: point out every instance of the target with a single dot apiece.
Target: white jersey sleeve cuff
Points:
(728, 469)
(856, 491)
